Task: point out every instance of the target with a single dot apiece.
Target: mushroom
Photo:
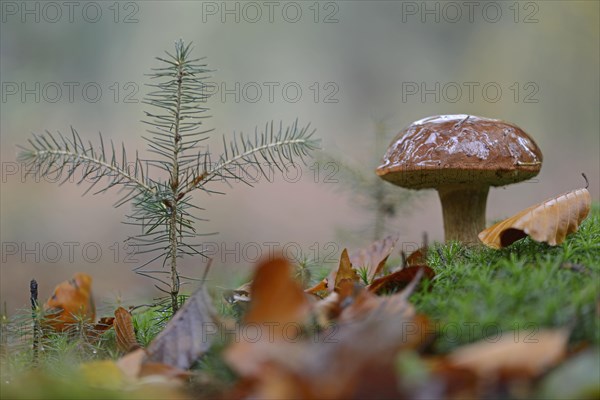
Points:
(461, 156)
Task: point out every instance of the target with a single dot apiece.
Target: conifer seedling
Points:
(162, 206)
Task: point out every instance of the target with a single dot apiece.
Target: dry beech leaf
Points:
(515, 353)
(239, 295)
(417, 257)
(276, 296)
(70, 303)
(327, 309)
(184, 339)
(353, 359)
(345, 272)
(319, 287)
(124, 331)
(364, 303)
(278, 303)
(550, 221)
(400, 278)
(100, 327)
(374, 257)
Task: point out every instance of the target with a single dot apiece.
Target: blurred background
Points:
(351, 69)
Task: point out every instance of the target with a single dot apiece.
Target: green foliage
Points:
(162, 208)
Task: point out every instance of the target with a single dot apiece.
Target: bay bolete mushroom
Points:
(461, 156)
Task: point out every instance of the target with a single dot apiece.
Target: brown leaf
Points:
(515, 352)
(278, 303)
(345, 272)
(276, 296)
(374, 257)
(327, 309)
(241, 294)
(550, 221)
(319, 287)
(363, 303)
(124, 331)
(353, 359)
(187, 336)
(70, 304)
(400, 278)
(419, 256)
(100, 327)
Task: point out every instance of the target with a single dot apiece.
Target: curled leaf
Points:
(104, 324)
(278, 303)
(345, 271)
(70, 303)
(320, 286)
(239, 295)
(276, 296)
(550, 221)
(125, 333)
(400, 278)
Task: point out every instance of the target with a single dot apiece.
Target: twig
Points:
(33, 290)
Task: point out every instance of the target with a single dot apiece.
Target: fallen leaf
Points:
(124, 331)
(276, 296)
(278, 303)
(319, 287)
(349, 360)
(373, 258)
(327, 309)
(353, 358)
(514, 353)
(419, 256)
(400, 278)
(100, 327)
(187, 336)
(345, 272)
(550, 221)
(241, 294)
(71, 304)
(364, 303)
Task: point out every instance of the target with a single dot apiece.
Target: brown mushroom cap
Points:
(460, 149)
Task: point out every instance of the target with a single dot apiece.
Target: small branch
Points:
(100, 163)
(208, 175)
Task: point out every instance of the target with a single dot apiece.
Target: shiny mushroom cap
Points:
(460, 149)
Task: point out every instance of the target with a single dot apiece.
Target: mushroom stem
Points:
(463, 207)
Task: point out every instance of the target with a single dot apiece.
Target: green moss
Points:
(527, 286)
